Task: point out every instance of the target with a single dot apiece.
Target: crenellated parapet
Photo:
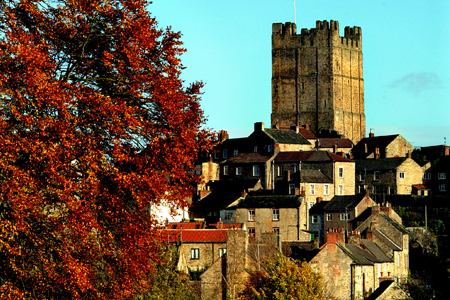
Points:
(317, 36)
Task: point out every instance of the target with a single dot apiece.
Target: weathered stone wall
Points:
(317, 78)
(209, 252)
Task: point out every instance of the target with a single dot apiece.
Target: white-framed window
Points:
(275, 214)
(362, 176)
(251, 215)
(424, 175)
(251, 231)
(279, 170)
(315, 219)
(225, 153)
(239, 171)
(312, 189)
(329, 217)
(401, 175)
(255, 149)
(429, 175)
(225, 170)
(326, 189)
(295, 168)
(276, 229)
(376, 189)
(270, 148)
(340, 189)
(291, 188)
(442, 187)
(222, 251)
(376, 175)
(255, 170)
(311, 204)
(341, 172)
(345, 216)
(442, 176)
(195, 253)
(235, 152)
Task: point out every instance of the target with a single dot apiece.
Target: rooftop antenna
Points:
(295, 22)
(445, 140)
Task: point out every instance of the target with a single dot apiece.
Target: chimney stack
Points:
(371, 134)
(259, 126)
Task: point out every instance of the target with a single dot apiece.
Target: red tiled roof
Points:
(306, 133)
(185, 225)
(196, 235)
(310, 156)
(420, 186)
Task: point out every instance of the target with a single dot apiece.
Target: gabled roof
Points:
(344, 202)
(368, 255)
(314, 176)
(306, 133)
(386, 240)
(376, 251)
(394, 223)
(317, 208)
(271, 201)
(309, 156)
(380, 142)
(284, 136)
(380, 164)
(244, 158)
(196, 236)
(339, 142)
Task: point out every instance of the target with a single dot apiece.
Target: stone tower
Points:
(317, 78)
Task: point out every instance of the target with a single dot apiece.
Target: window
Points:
(255, 149)
(292, 189)
(225, 170)
(345, 216)
(315, 219)
(198, 170)
(222, 251)
(195, 253)
(341, 172)
(294, 168)
(251, 231)
(225, 153)
(270, 148)
(376, 175)
(424, 175)
(441, 176)
(216, 155)
(312, 190)
(235, 152)
(311, 204)
(361, 189)
(429, 175)
(280, 170)
(401, 175)
(228, 215)
(251, 215)
(341, 190)
(255, 170)
(329, 217)
(276, 230)
(238, 171)
(377, 189)
(362, 176)
(391, 190)
(326, 189)
(275, 214)
(442, 187)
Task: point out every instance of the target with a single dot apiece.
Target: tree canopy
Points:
(96, 126)
(284, 279)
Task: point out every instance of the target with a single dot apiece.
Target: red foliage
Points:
(95, 127)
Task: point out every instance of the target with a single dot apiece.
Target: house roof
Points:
(394, 223)
(196, 235)
(306, 133)
(285, 136)
(225, 226)
(308, 156)
(314, 176)
(344, 202)
(375, 251)
(244, 158)
(185, 225)
(383, 287)
(339, 142)
(368, 255)
(271, 201)
(386, 241)
(380, 164)
(317, 208)
(380, 142)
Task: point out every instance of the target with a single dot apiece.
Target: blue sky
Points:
(405, 47)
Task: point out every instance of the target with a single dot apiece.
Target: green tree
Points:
(284, 278)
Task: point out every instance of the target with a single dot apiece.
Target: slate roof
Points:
(376, 251)
(196, 235)
(380, 164)
(243, 158)
(385, 240)
(394, 223)
(380, 142)
(314, 176)
(368, 256)
(309, 156)
(344, 202)
(317, 209)
(340, 143)
(384, 285)
(284, 136)
(270, 201)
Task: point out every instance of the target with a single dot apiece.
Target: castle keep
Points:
(317, 78)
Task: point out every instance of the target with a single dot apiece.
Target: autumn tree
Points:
(284, 278)
(96, 126)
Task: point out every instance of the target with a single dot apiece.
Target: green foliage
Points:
(284, 279)
(167, 282)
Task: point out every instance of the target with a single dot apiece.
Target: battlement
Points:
(352, 35)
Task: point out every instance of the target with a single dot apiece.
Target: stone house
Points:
(437, 177)
(317, 220)
(286, 215)
(435, 152)
(394, 175)
(381, 147)
(319, 174)
(342, 211)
